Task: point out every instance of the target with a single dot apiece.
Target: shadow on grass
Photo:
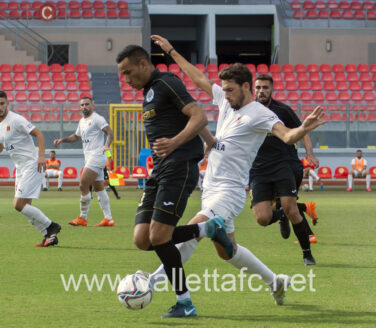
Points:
(345, 266)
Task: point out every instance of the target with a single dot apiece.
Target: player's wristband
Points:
(169, 52)
(108, 153)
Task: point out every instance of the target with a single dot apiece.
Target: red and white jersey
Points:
(240, 133)
(15, 136)
(92, 136)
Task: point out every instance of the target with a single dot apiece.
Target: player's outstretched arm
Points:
(291, 136)
(71, 138)
(197, 77)
(197, 121)
(41, 146)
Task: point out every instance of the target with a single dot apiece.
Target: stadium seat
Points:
(289, 76)
(308, 4)
(121, 4)
(70, 172)
(372, 172)
(347, 14)
(335, 117)
(222, 66)
(5, 68)
(293, 96)
(111, 14)
(140, 172)
(201, 67)
(356, 96)
(324, 172)
(262, 69)
(75, 116)
(59, 97)
(44, 77)
(287, 68)
(369, 97)
(277, 77)
(32, 86)
(251, 67)
(312, 68)
(100, 14)
(291, 86)
(305, 97)
(316, 86)
(327, 76)
(275, 68)
(318, 96)
(311, 14)
(47, 97)
(341, 86)
(4, 172)
(174, 68)
(190, 86)
(358, 15)
(65, 117)
(331, 96)
(17, 68)
(73, 97)
(300, 68)
(6, 77)
(211, 68)
(204, 97)
(367, 5)
(127, 97)
(58, 86)
(97, 4)
(341, 172)
(34, 97)
(337, 68)
(352, 76)
(364, 76)
(139, 97)
(162, 67)
(366, 86)
(314, 76)
(343, 96)
(20, 86)
(123, 14)
(71, 86)
(339, 76)
(325, 68)
(344, 5)
(301, 76)
(280, 96)
(329, 86)
(84, 86)
(21, 97)
(36, 117)
(55, 68)
(295, 4)
(123, 170)
(45, 86)
(278, 85)
(30, 68)
(362, 117)
(354, 86)
(7, 86)
(304, 86)
(86, 4)
(18, 77)
(31, 77)
(43, 68)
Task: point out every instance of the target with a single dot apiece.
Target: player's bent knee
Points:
(142, 243)
(263, 220)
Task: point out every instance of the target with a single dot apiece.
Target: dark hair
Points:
(87, 97)
(52, 151)
(358, 150)
(134, 52)
(237, 72)
(3, 95)
(264, 77)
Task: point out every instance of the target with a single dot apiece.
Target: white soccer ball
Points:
(305, 187)
(135, 291)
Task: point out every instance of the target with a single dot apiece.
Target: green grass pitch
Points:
(32, 293)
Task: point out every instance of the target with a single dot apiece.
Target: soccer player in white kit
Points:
(241, 129)
(15, 137)
(91, 130)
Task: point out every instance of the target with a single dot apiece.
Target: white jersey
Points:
(240, 133)
(15, 136)
(92, 136)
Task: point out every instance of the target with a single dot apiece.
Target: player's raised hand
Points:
(314, 120)
(162, 42)
(313, 160)
(164, 147)
(57, 142)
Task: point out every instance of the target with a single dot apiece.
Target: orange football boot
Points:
(106, 223)
(313, 239)
(79, 221)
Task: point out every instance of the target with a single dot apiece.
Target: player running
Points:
(15, 137)
(91, 130)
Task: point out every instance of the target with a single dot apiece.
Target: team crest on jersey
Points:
(150, 95)
(89, 123)
(8, 128)
(239, 119)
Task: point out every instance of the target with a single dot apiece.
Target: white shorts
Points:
(226, 204)
(96, 163)
(52, 173)
(359, 174)
(28, 182)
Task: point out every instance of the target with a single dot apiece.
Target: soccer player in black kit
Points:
(172, 121)
(277, 173)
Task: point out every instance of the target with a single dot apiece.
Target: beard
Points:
(240, 101)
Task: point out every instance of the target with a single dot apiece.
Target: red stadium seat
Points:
(316, 86)
(331, 96)
(344, 5)
(336, 117)
(312, 68)
(34, 97)
(58, 86)
(190, 86)
(372, 172)
(293, 96)
(5, 68)
(75, 117)
(323, 14)
(127, 97)
(308, 4)
(45, 86)
(275, 68)
(31, 77)
(287, 68)
(65, 117)
(356, 96)
(359, 15)
(6, 77)
(277, 77)
(314, 76)
(55, 68)
(222, 66)
(204, 97)
(306, 97)
(73, 97)
(302, 76)
(30, 68)
(86, 4)
(341, 86)
(47, 97)
(338, 68)
(325, 68)
(350, 68)
(84, 86)
(311, 14)
(304, 85)
(329, 86)
(340, 76)
(366, 86)
(352, 76)
(369, 97)
(162, 67)
(367, 5)
(355, 5)
(280, 96)
(71, 86)
(44, 77)
(262, 69)
(123, 170)
(372, 117)
(70, 172)
(100, 14)
(341, 172)
(123, 14)
(300, 68)
(251, 67)
(318, 96)
(211, 68)
(10, 96)
(111, 14)
(57, 77)
(324, 172)
(139, 96)
(21, 97)
(68, 68)
(121, 4)
(36, 117)
(364, 76)
(7, 86)
(4, 172)
(327, 76)
(97, 4)
(343, 97)
(174, 68)
(20, 86)
(295, 4)
(110, 4)
(321, 4)
(125, 87)
(289, 76)
(278, 85)
(354, 86)
(291, 86)
(59, 97)
(32, 86)
(83, 77)
(70, 77)
(201, 67)
(87, 13)
(17, 68)
(81, 68)
(43, 68)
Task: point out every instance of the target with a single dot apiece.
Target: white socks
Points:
(368, 181)
(310, 182)
(244, 258)
(349, 181)
(44, 182)
(314, 174)
(201, 227)
(104, 202)
(186, 250)
(37, 218)
(85, 205)
(60, 179)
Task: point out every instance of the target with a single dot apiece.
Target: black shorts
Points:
(167, 192)
(298, 169)
(269, 187)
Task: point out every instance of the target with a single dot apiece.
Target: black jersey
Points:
(274, 151)
(164, 98)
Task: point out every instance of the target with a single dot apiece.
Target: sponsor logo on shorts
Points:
(9, 148)
(293, 191)
(168, 203)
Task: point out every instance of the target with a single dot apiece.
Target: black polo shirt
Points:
(274, 153)
(164, 98)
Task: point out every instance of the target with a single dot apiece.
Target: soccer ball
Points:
(305, 187)
(135, 291)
